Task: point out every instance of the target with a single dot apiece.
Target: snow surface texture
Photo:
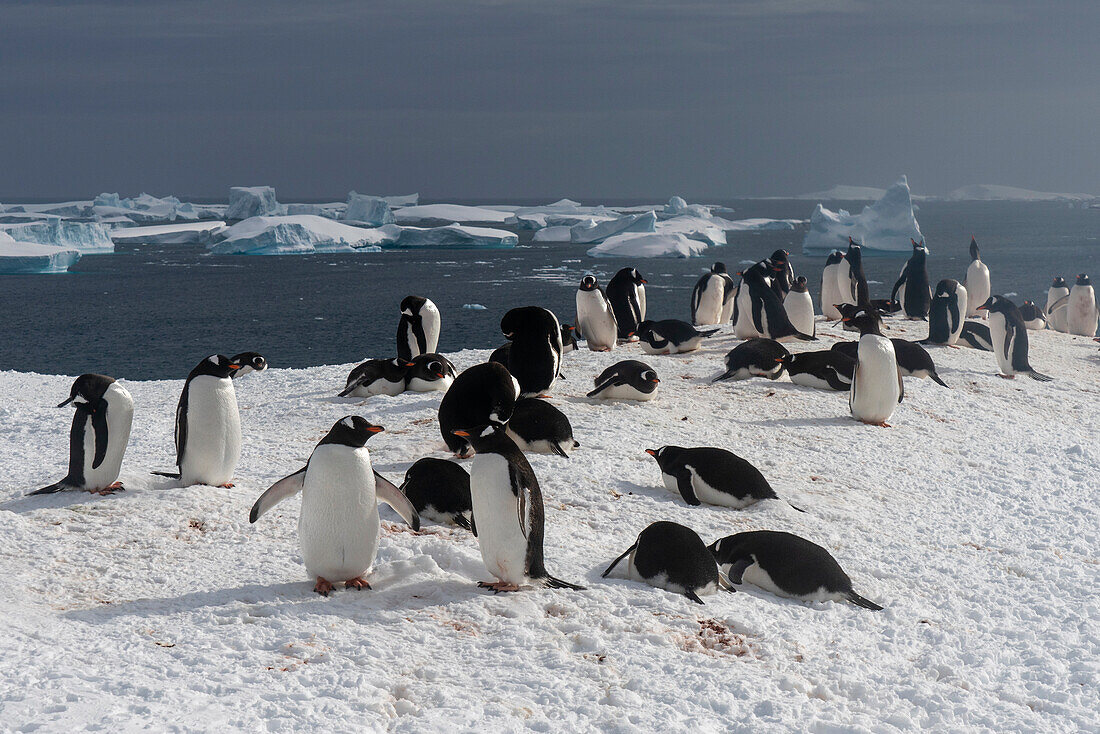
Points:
(20, 258)
(449, 213)
(297, 235)
(87, 237)
(253, 201)
(973, 521)
(885, 226)
(648, 245)
(188, 233)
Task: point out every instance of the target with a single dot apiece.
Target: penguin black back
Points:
(482, 394)
(675, 557)
(622, 293)
(441, 486)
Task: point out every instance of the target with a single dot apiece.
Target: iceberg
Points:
(676, 206)
(648, 245)
(593, 231)
(455, 236)
(87, 237)
(148, 209)
(299, 235)
(842, 192)
(253, 201)
(562, 212)
(992, 192)
(18, 258)
(883, 227)
(371, 210)
(559, 233)
(329, 211)
(761, 224)
(188, 233)
(402, 200)
(449, 213)
(708, 229)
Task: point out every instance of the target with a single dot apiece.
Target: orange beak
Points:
(375, 429)
(651, 452)
(460, 432)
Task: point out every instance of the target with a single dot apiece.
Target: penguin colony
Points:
(496, 411)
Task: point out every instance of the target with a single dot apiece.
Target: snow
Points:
(449, 213)
(885, 226)
(557, 233)
(253, 201)
(708, 229)
(455, 236)
(973, 521)
(992, 192)
(648, 245)
(564, 212)
(594, 231)
(188, 233)
(30, 257)
(370, 210)
(87, 237)
(297, 235)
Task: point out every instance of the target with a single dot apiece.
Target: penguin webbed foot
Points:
(227, 485)
(498, 587)
(322, 587)
(116, 487)
(1006, 377)
(358, 584)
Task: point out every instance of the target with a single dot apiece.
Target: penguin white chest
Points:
(213, 432)
(829, 294)
(1081, 316)
(800, 311)
(962, 299)
(338, 526)
(596, 320)
(744, 327)
(876, 388)
(709, 309)
(977, 285)
(120, 416)
(501, 532)
(626, 392)
(430, 320)
(844, 287)
(997, 331)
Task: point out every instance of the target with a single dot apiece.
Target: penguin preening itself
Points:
(977, 281)
(671, 336)
(769, 318)
(1081, 315)
(208, 425)
(787, 566)
(800, 307)
(876, 384)
(439, 490)
(782, 273)
(595, 317)
(830, 292)
(98, 437)
(377, 377)
(338, 525)
(1058, 305)
(508, 516)
(755, 357)
(673, 557)
(626, 293)
(418, 328)
(851, 281)
(1034, 318)
(534, 356)
(430, 372)
(249, 362)
(712, 475)
(912, 290)
(483, 394)
(708, 297)
(827, 369)
(538, 427)
(626, 380)
(947, 313)
(1009, 337)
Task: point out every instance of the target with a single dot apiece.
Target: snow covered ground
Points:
(973, 521)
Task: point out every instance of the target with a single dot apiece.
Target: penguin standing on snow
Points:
(595, 318)
(484, 393)
(709, 296)
(508, 517)
(671, 336)
(538, 427)
(626, 380)
(338, 525)
(439, 490)
(1033, 316)
(800, 307)
(755, 357)
(876, 384)
(534, 357)
(782, 273)
(830, 292)
(912, 359)
(947, 313)
(851, 281)
(430, 372)
(977, 282)
(1009, 336)
(711, 475)
(769, 319)
(1081, 316)
(626, 293)
(249, 362)
(827, 369)
(911, 289)
(98, 437)
(787, 566)
(670, 556)
(418, 328)
(1058, 305)
(377, 377)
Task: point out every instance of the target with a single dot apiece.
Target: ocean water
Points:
(152, 312)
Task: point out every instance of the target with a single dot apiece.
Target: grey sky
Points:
(575, 98)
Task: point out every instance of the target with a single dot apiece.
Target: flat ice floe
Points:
(299, 234)
(186, 233)
(648, 245)
(885, 226)
(449, 213)
(19, 258)
(455, 236)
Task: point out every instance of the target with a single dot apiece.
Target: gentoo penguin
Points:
(1009, 336)
(800, 307)
(976, 335)
(851, 282)
(782, 273)
(830, 293)
(756, 357)
(1034, 318)
(977, 281)
(670, 556)
(913, 360)
(208, 425)
(97, 440)
(769, 319)
(876, 384)
(430, 372)
(1057, 305)
(377, 377)
(338, 524)
(671, 336)
(595, 318)
(418, 328)
(626, 293)
(1081, 316)
(885, 306)
(744, 326)
(568, 339)
(626, 380)
(711, 475)
(534, 358)
(249, 362)
(849, 310)
(709, 296)
(947, 313)
(439, 490)
(826, 370)
(787, 566)
(500, 354)
(538, 427)
(484, 393)
(508, 512)
(912, 290)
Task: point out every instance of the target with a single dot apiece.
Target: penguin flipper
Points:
(169, 474)
(690, 594)
(708, 332)
(936, 378)
(614, 563)
(737, 569)
(613, 381)
(99, 426)
(1039, 376)
(901, 387)
(350, 386)
(387, 492)
(286, 487)
(687, 490)
(55, 487)
(725, 584)
(805, 337)
(859, 601)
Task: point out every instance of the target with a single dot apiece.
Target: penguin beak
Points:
(981, 308)
(644, 280)
(651, 452)
(460, 432)
(62, 405)
(375, 429)
(440, 375)
(409, 364)
(655, 381)
(234, 366)
(778, 359)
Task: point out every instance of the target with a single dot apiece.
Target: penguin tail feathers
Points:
(169, 474)
(859, 601)
(690, 594)
(708, 332)
(936, 378)
(724, 376)
(805, 337)
(347, 390)
(557, 449)
(795, 507)
(1039, 376)
(55, 487)
(554, 583)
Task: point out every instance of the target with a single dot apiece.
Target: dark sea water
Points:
(154, 311)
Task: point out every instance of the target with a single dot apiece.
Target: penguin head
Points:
(866, 320)
(589, 283)
(486, 438)
(401, 363)
(718, 267)
(644, 327)
(89, 389)
(975, 253)
(534, 321)
(637, 277)
(1059, 282)
(351, 430)
(432, 367)
(779, 259)
(216, 365)
(412, 304)
(799, 285)
(855, 252)
(1083, 279)
(997, 304)
(249, 362)
(946, 288)
(834, 257)
(664, 455)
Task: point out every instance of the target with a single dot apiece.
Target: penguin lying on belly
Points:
(439, 490)
(755, 357)
(429, 373)
(671, 336)
(712, 475)
(538, 427)
(670, 556)
(377, 377)
(827, 369)
(626, 380)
